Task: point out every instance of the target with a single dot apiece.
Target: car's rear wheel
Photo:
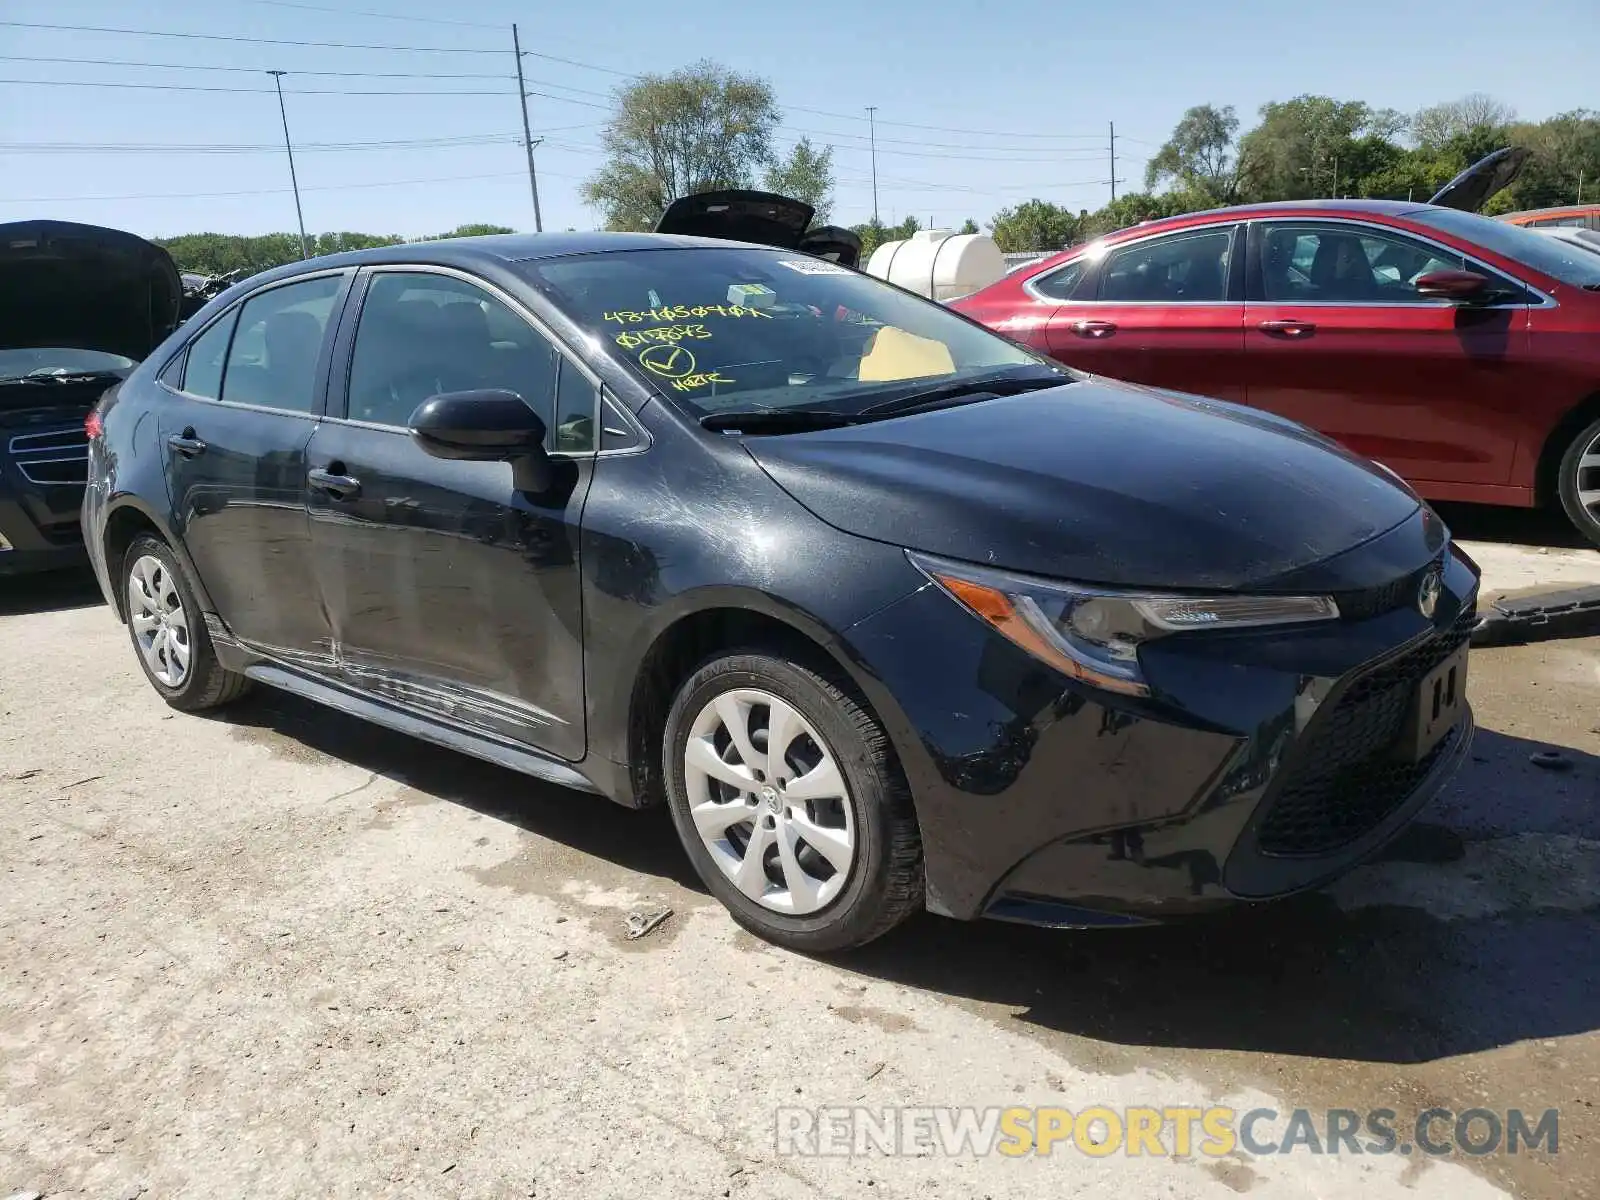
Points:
(169, 631)
(1579, 482)
(789, 801)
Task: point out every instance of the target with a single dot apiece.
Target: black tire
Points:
(1571, 478)
(207, 684)
(885, 881)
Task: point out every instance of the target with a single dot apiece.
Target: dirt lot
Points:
(284, 954)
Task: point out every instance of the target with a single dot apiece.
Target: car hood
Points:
(1099, 482)
(764, 218)
(82, 286)
(1471, 190)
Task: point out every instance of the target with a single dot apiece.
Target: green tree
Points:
(807, 175)
(1566, 148)
(1034, 225)
(478, 229)
(699, 129)
(875, 233)
(1295, 152)
(1200, 156)
(968, 226)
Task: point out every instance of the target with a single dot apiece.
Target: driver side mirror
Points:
(488, 425)
(1459, 287)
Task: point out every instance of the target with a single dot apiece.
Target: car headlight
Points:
(1094, 633)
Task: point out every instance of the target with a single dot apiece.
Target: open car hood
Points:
(761, 217)
(1470, 190)
(83, 286)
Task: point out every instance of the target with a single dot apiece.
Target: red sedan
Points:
(1461, 352)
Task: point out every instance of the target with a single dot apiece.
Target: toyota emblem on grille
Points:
(1428, 593)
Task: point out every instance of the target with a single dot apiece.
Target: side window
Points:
(576, 399)
(422, 334)
(202, 376)
(1182, 268)
(1346, 264)
(1058, 284)
(273, 361)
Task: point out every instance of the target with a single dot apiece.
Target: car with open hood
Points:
(766, 218)
(889, 611)
(80, 306)
(1462, 352)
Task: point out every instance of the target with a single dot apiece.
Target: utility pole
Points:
(872, 138)
(1580, 185)
(1335, 176)
(527, 135)
(305, 246)
(1113, 162)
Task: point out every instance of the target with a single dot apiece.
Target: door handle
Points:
(1288, 329)
(186, 443)
(344, 487)
(1094, 329)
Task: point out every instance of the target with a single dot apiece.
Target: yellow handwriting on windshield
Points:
(635, 338)
(683, 312)
(690, 382)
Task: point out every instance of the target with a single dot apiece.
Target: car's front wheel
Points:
(1579, 482)
(169, 631)
(787, 796)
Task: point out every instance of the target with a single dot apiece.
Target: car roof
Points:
(499, 249)
(1553, 210)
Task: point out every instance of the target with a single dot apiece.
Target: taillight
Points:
(93, 426)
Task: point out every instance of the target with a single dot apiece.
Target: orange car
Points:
(1583, 216)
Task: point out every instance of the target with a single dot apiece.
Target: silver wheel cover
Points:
(1587, 484)
(769, 801)
(160, 625)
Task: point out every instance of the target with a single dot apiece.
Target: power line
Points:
(127, 62)
(258, 41)
(195, 87)
(332, 187)
(573, 62)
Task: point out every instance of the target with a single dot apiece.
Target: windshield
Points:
(735, 328)
(1548, 255)
(44, 361)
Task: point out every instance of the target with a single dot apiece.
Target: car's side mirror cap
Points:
(1462, 287)
(486, 425)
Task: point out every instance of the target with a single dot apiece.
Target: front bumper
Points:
(1260, 766)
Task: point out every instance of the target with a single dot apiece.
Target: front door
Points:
(448, 590)
(1166, 311)
(234, 427)
(1339, 338)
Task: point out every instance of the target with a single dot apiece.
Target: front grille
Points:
(1386, 597)
(56, 456)
(1344, 779)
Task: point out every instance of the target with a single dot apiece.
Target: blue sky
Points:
(1017, 96)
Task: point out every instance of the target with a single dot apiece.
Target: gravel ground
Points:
(281, 953)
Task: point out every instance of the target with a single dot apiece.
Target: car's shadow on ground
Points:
(637, 840)
(1301, 977)
(49, 591)
(1514, 526)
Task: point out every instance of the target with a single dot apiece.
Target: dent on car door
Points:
(240, 410)
(1166, 311)
(448, 589)
(1339, 338)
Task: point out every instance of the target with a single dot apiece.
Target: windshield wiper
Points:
(958, 389)
(777, 420)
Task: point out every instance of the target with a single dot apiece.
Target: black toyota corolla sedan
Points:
(891, 612)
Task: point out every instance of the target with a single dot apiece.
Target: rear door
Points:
(1339, 338)
(240, 407)
(1166, 310)
(449, 590)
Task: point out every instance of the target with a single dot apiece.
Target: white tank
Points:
(939, 264)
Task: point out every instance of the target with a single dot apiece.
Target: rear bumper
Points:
(1261, 766)
(25, 546)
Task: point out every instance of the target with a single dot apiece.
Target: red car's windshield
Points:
(1547, 255)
